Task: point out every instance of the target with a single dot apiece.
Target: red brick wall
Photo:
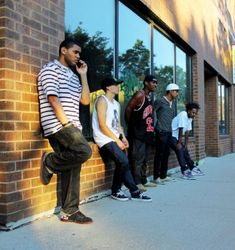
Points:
(30, 32)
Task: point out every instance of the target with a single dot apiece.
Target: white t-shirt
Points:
(112, 122)
(181, 121)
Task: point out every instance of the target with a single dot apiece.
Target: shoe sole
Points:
(77, 222)
(118, 199)
(189, 179)
(136, 199)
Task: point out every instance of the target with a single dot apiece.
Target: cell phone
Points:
(79, 63)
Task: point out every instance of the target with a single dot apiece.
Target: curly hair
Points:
(192, 105)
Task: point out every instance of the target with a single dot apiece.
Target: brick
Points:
(30, 174)
(11, 197)
(7, 126)
(7, 187)
(7, 167)
(10, 156)
(24, 184)
(7, 146)
(22, 165)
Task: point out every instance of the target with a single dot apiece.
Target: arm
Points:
(135, 102)
(101, 107)
(85, 97)
(58, 109)
(180, 139)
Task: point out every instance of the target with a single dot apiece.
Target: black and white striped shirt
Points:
(57, 80)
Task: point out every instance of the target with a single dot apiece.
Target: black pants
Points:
(138, 156)
(183, 156)
(70, 151)
(163, 142)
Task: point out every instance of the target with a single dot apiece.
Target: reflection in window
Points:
(134, 52)
(182, 76)
(85, 21)
(163, 61)
(223, 111)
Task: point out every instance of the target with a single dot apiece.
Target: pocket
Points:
(66, 135)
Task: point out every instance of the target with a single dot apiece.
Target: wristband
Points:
(65, 124)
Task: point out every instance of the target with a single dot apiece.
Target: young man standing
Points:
(109, 137)
(181, 126)
(164, 115)
(60, 93)
(140, 130)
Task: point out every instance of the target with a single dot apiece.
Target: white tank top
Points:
(112, 121)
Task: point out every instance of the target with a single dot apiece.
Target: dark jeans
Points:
(122, 173)
(139, 153)
(183, 156)
(163, 142)
(70, 151)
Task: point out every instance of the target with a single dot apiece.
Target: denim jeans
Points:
(163, 142)
(122, 173)
(183, 156)
(70, 150)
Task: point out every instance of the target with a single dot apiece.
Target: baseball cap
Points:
(108, 81)
(150, 78)
(172, 86)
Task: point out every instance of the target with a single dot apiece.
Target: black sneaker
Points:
(45, 175)
(77, 217)
(140, 197)
(120, 196)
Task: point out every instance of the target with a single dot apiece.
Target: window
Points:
(94, 29)
(134, 53)
(126, 46)
(223, 111)
(163, 61)
(171, 64)
(183, 78)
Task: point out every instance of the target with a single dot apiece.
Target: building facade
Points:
(185, 42)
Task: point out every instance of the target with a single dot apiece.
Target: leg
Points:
(122, 172)
(139, 159)
(180, 153)
(67, 159)
(161, 155)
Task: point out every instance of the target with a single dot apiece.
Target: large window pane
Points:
(182, 79)
(94, 29)
(163, 61)
(134, 52)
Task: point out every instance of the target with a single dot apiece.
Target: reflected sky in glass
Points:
(131, 27)
(92, 16)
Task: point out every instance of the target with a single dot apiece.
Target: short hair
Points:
(192, 105)
(68, 43)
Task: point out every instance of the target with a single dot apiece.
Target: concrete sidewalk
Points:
(184, 214)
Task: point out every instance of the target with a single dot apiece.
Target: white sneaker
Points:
(167, 179)
(158, 181)
(197, 172)
(141, 188)
(150, 184)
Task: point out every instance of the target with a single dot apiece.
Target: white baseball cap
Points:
(172, 86)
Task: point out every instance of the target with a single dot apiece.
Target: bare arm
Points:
(135, 102)
(101, 107)
(85, 97)
(58, 109)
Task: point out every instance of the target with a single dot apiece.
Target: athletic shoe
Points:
(187, 175)
(167, 179)
(158, 181)
(77, 217)
(45, 174)
(120, 196)
(140, 197)
(150, 184)
(141, 188)
(197, 171)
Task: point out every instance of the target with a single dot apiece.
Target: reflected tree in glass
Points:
(99, 58)
(134, 65)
